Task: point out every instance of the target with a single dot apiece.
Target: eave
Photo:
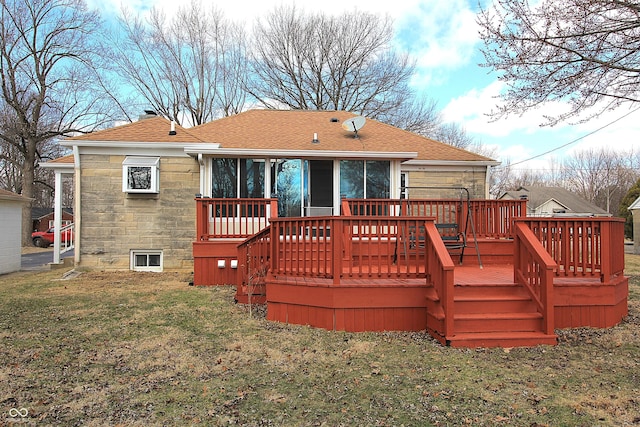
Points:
(213, 150)
(483, 163)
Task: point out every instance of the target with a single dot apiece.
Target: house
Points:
(553, 201)
(136, 183)
(635, 212)
(11, 205)
(343, 223)
(43, 218)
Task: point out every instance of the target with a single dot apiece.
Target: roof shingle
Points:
(155, 129)
(294, 130)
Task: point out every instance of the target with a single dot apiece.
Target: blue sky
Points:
(442, 37)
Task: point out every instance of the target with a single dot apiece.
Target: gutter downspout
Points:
(77, 213)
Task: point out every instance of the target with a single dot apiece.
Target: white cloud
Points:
(473, 108)
(520, 138)
(615, 130)
(439, 34)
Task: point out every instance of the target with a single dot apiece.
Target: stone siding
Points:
(474, 181)
(113, 222)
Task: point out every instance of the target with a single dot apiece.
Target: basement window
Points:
(140, 174)
(146, 260)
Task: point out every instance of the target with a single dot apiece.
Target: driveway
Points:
(40, 260)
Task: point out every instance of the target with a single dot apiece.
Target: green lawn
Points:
(147, 349)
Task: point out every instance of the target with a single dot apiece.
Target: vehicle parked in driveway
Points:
(44, 239)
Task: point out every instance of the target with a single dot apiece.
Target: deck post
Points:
(336, 248)
(273, 209)
(202, 227)
(605, 251)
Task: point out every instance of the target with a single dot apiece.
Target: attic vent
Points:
(334, 120)
(524, 197)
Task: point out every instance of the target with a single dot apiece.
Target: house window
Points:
(140, 174)
(365, 179)
(233, 178)
(145, 260)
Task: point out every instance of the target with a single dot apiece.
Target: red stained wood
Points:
(363, 273)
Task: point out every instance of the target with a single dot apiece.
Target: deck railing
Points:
(534, 268)
(491, 218)
(440, 274)
(582, 247)
(232, 218)
(254, 259)
(349, 247)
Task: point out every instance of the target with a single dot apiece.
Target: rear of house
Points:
(343, 228)
(136, 184)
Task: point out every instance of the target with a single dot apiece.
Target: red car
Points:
(44, 239)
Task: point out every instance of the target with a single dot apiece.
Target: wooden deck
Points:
(490, 308)
(519, 279)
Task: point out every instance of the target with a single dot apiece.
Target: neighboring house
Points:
(553, 201)
(136, 183)
(43, 218)
(11, 205)
(635, 211)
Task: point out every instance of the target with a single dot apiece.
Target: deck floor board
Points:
(463, 275)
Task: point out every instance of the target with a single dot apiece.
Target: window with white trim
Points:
(146, 260)
(140, 174)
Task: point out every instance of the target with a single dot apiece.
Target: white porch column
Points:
(57, 217)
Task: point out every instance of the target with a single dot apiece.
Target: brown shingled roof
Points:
(154, 129)
(68, 159)
(294, 130)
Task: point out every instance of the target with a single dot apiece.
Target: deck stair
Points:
(490, 315)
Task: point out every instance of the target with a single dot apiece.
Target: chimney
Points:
(148, 114)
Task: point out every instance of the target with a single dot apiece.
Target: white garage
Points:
(11, 231)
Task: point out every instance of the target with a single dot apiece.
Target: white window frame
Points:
(134, 253)
(153, 163)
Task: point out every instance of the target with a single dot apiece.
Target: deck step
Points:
(483, 303)
(498, 322)
(492, 315)
(501, 339)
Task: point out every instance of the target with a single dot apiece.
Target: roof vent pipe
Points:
(173, 128)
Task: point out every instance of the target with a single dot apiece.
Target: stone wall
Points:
(636, 231)
(473, 180)
(113, 222)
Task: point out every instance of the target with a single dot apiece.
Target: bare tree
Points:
(585, 52)
(600, 176)
(506, 178)
(417, 115)
(189, 68)
(322, 62)
(46, 78)
(454, 134)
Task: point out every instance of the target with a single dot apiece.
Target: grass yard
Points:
(146, 349)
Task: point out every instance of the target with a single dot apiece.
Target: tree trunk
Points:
(28, 173)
